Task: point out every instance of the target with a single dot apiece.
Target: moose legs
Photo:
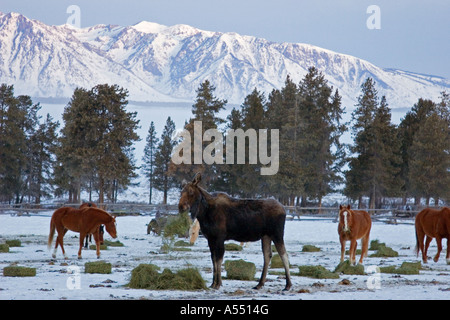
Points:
(267, 252)
(217, 248)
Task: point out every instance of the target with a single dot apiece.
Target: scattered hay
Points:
(317, 272)
(113, 243)
(276, 262)
(97, 267)
(4, 247)
(177, 226)
(14, 243)
(102, 247)
(16, 271)
(384, 252)
(405, 268)
(182, 243)
(376, 244)
(310, 248)
(146, 276)
(240, 270)
(232, 247)
(346, 268)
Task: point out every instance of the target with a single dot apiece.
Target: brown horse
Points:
(101, 230)
(85, 221)
(224, 218)
(354, 225)
(433, 224)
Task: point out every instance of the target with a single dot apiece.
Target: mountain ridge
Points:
(167, 63)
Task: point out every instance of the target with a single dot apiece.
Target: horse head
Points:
(345, 218)
(111, 227)
(192, 197)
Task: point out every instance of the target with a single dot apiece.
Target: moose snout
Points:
(183, 207)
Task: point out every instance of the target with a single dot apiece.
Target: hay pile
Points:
(383, 251)
(4, 248)
(97, 267)
(13, 243)
(346, 268)
(16, 271)
(147, 276)
(405, 268)
(240, 270)
(177, 226)
(317, 272)
(310, 248)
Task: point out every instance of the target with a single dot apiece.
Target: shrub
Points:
(97, 267)
(240, 270)
(146, 276)
(16, 271)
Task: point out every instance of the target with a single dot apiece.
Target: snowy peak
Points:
(167, 63)
(149, 27)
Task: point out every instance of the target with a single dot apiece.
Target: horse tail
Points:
(52, 233)
(416, 249)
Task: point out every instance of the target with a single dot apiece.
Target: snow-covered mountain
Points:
(167, 64)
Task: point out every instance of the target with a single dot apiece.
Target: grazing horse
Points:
(433, 224)
(85, 221)
(222, 217)
(354, 225)
(101, 230)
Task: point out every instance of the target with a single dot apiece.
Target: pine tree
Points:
(375, 165)
(163, 177)
(410, 124)
(430, 159)
(320, 130)
(96, 147)
(206, 109)
(18, 118)
(149, 158)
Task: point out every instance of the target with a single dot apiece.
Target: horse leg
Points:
(82, 237)
(60, 241)
(353, 245)
(439, 245)
(447, 257)
(279, 244)
(425, 247)
(342, 249)
(365, 247)
(217, 248)
(97, 243)
(267, 253)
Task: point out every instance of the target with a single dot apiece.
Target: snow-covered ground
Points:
(53, 280)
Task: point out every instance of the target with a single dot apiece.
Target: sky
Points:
(412, 35)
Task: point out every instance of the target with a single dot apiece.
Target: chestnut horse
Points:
(222, 217)
(354, 225)
(101, 230)
(433, 224)
(85, 221)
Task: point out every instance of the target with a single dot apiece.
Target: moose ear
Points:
(197, 178)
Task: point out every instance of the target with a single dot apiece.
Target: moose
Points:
(222, 218)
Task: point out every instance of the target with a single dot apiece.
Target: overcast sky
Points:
(414, 35)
